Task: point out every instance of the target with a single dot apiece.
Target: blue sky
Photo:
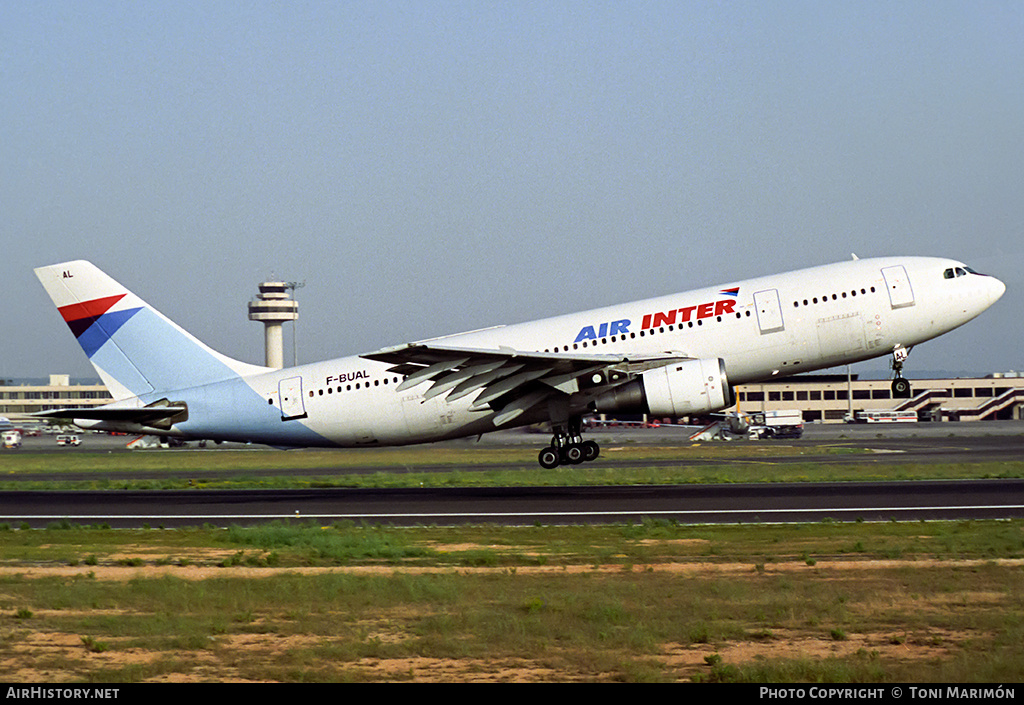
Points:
(432, 167)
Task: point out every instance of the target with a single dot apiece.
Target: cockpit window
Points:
(954, 272)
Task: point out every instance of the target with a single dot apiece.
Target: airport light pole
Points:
(295, 323)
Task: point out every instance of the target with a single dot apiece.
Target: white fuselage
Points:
(765, 327)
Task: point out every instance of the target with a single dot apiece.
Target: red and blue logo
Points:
(92, 322)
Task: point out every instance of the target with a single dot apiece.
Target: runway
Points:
(690, 504)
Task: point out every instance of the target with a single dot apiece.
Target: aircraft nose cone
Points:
(997, 289)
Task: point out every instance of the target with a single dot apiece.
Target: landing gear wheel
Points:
(573, 454)
(548, 458)
(901, 388)
(590, 451)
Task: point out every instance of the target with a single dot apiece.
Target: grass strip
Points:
(653, 601)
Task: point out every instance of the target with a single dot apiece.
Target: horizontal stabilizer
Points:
(144, 416)
(161, 414)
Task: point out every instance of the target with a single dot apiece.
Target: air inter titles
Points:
(671, 317)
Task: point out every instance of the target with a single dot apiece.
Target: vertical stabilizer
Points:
(135, 349)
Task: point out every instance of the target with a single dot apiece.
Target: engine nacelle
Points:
(679, 389)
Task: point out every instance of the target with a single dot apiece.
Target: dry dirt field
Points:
(47, 655)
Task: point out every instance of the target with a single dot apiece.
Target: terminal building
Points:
(821, 398)
(835, 398)
(58, 394)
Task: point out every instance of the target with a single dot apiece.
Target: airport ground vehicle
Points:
(883, 416)
(780, 423)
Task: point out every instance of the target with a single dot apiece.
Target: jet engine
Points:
(679, 389)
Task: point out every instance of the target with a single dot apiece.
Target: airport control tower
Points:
(272, 307)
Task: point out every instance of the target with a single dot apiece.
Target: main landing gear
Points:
(568, 447)
(900, 385)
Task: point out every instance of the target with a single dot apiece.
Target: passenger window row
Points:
(354, 387)
(834, 297)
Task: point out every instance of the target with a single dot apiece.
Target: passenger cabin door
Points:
(898, 283)
(293, 406)
(769, 311)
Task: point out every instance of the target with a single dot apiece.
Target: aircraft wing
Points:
(507, 381)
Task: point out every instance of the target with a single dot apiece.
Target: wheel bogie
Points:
(571, 454)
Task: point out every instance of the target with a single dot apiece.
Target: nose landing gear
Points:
(900, 385)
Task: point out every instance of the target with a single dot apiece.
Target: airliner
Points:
(671, 356)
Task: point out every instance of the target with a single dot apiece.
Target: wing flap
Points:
(518, 407)
(507, 385)
(454, 379)
(480, 381)
(430, 371)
